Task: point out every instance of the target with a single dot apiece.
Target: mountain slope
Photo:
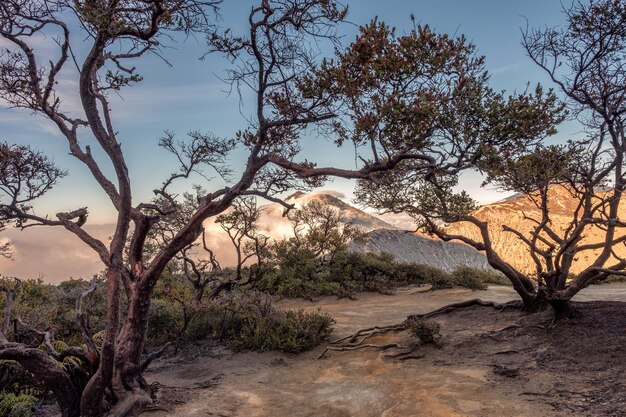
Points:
(363, 220)
(413, 248)
(514, 212)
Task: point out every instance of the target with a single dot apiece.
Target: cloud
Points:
(506, 68)
(55, 254)
(51, 253)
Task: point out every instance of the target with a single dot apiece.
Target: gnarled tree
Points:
(585, 59)
(421, 98)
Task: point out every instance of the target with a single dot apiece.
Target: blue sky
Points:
(190, 96)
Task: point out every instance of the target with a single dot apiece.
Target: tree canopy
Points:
(585, 60)
(418, 102)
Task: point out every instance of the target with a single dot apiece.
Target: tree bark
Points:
(538, 302)
(563, 310)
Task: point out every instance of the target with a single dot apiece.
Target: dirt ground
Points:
(492, 364)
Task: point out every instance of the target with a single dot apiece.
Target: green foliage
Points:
(529, 170)
(14, 378)
(17, 405)
(251, 321)
(427, 331)
(469, 278)
(494, 278)
(171, 310)
(246, 320)
(477, 279)
(428, 94)
(94, 307)
(43, 305)
(298, 273)
(25, 175)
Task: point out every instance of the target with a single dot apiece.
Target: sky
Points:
(190, 95)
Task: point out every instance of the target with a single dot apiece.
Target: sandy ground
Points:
(525, 370)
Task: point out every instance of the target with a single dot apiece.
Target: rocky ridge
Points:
(413, 248)
(405, 246)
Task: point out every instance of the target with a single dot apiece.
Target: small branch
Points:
(10, 295)
(82, 322)
(154, 355)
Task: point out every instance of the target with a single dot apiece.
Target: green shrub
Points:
(14, 378)
(251, 321)
(427, 331)
(469, 278)
(20, 405)
(44, 305)
(300, 274)
(477, 279)
(437, 278)
(297, 273)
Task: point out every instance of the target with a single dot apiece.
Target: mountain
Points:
(385, 237)
(55, 254)
(413, 248)
(515, 211)
(363, 220)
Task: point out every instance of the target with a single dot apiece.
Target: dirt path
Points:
(480, 371)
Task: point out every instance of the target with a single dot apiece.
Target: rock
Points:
(412, 248)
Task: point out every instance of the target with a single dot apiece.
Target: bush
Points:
(469, 278)
(251, 321)
(44, 305)
(298, 273)
(427, 331)
(437, 278)
(477, 279)
(14, 378)
(302, 275)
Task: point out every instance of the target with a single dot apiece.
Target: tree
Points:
(421, 99)
(241, 225)
(585, 60)
(200, 269)
(322, 231)
(25, 175)
(303, 265)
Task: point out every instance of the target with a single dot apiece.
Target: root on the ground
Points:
(356, 340)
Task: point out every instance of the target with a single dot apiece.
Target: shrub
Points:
(469, 278)
(94, 307)
(298, 273)
(251, 321)
(427, 331)
(44, 305)
(477, 279)
(437, 278)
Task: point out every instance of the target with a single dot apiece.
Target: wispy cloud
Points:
(507, 68)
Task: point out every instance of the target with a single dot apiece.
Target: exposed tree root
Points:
(356, 347)
(356, 340)
(516, 304)
(365, 334)
(132, 404)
